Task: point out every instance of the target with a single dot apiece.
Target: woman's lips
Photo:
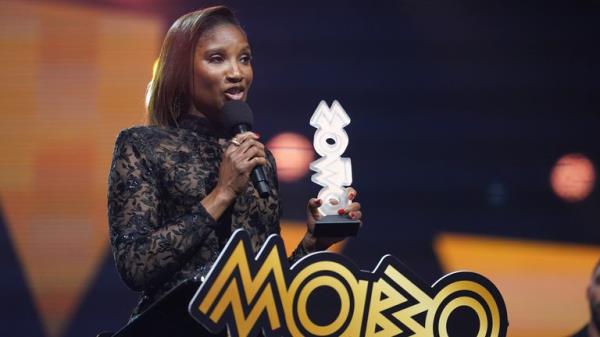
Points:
(234, 94)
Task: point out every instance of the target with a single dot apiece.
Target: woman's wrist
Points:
(217, 201)
(225, 194)
(311, 243)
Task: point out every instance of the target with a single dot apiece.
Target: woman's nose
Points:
(234, 73)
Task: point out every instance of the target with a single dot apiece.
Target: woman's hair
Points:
(170, 91)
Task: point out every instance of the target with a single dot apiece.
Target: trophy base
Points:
(336, 225)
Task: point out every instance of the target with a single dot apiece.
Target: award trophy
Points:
(332, 171)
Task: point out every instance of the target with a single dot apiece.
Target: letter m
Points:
(238, 297)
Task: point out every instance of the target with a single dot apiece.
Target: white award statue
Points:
(332, 171)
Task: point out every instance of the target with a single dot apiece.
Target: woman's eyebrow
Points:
(218, 50)
(221, 50)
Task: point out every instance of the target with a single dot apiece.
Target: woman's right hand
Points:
(237, 163)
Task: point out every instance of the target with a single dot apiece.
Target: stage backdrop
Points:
(72, 77)
(451, 158)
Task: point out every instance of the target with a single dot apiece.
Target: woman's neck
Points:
(193, 111)
(214, 125)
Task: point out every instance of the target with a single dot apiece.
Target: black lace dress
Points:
(160, 233)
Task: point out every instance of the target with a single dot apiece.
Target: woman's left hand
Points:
(312, 243)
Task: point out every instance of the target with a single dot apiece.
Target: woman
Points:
(177, 187)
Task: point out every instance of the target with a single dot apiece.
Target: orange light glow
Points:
(53, 171)
(293, 153)
(573, 177)
(542, 283)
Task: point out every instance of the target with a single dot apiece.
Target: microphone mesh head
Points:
(236, 113)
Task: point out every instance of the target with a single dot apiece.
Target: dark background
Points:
(459, 111)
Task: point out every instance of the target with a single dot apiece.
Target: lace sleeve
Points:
(300, 251)
(147, 248)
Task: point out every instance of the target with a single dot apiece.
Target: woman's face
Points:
(222, 69)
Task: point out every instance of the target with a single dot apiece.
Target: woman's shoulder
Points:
(150, 136)
(143, 132)
(146, 139)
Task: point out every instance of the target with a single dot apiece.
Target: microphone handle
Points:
(258, 175)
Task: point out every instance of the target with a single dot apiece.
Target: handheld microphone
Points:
(237, 118)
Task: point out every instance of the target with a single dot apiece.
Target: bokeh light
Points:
(573, 177)
(293, 153)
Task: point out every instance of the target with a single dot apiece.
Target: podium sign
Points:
(247, 295)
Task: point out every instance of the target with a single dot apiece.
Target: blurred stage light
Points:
(293, 153)
(573, 177)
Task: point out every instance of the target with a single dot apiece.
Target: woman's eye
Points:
(215, 59)
(246, 59)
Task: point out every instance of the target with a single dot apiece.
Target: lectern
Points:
(168, 317)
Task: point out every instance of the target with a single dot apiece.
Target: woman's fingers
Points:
(239, 141)
(355, 215)
(247, 161)
(351, 193)
(254, 151)
(256, 161)
(243, 153)
(246, 135)
(249, 144)
(245, 165)
(248, 154)
(314, 203)
(353, 207)
(313, 207)
(241, 138)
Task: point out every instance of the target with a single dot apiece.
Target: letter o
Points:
(468, 294)
(336, 149)
(344, 295)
